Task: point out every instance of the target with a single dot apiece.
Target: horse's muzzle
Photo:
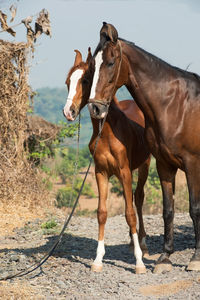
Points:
(97, 110)
(70, 115)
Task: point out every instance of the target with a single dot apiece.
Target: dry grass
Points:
(19, 182)
(18, 290)
(15, 216)
(162, 290)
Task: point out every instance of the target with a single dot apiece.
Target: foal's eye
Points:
(111, 63)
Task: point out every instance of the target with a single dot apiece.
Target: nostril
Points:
(73, 113)
(96, 110)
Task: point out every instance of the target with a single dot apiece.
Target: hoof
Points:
(145, 253)
(162, 268)
(96, 268)
(151, 257)
(194, 265)
(140, 270)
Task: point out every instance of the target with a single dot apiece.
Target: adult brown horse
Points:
(119, 151)
(170, 100)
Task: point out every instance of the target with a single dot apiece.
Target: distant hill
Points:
(49, 103)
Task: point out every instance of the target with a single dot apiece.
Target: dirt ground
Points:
(67, 273)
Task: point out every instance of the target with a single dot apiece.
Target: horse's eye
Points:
(111, 63)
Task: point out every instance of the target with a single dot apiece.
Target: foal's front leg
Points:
(143, 171)
(102, 183)
(130, 213)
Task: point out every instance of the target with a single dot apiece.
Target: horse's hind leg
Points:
(102, 184)
(193, 180)
(167, 179)
(130, 213)
(143, 171)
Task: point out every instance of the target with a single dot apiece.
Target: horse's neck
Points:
(143, 82)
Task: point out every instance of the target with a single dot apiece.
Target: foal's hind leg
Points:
(139, 199)
(193, 180)
(167, 179)
(102, 183)
(130, 213)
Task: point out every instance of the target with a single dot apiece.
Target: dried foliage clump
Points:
(40, 129)
(18, 180)
(40, 133)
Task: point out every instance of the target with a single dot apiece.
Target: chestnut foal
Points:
(120, 150)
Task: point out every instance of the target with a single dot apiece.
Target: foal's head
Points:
(79, 80)
(107, 62)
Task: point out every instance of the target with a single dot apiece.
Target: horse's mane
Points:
(160, 61)
(99, 47)
(149, 56)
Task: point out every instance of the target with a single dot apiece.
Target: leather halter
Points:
(107, 102)
(119, 68)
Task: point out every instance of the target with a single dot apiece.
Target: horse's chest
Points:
(160, 149)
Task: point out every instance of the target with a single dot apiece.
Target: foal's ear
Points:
(108, 32)
(78, 58)
(89, 55)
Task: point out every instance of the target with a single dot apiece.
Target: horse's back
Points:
(132, 111)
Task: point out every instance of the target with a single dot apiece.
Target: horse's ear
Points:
(78, 58)
(89, 55)
(108, 32)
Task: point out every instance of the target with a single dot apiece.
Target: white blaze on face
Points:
(98, 62)
(72, 89)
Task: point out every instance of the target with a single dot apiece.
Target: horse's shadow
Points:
(75, 248)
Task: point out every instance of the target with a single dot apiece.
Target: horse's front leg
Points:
(131, 218)
(102, 184)
(167, 180)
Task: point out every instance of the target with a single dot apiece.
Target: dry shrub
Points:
(41, 129)
(19, 182)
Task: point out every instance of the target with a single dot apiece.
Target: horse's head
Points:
(107, 62)
(79, 80)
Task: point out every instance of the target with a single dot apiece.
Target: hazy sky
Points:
(167, 28)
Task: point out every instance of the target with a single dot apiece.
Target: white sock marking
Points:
(72, 89)
(98, 62)
(137, 251)
(100, 253)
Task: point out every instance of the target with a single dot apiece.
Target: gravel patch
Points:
(67, 274)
